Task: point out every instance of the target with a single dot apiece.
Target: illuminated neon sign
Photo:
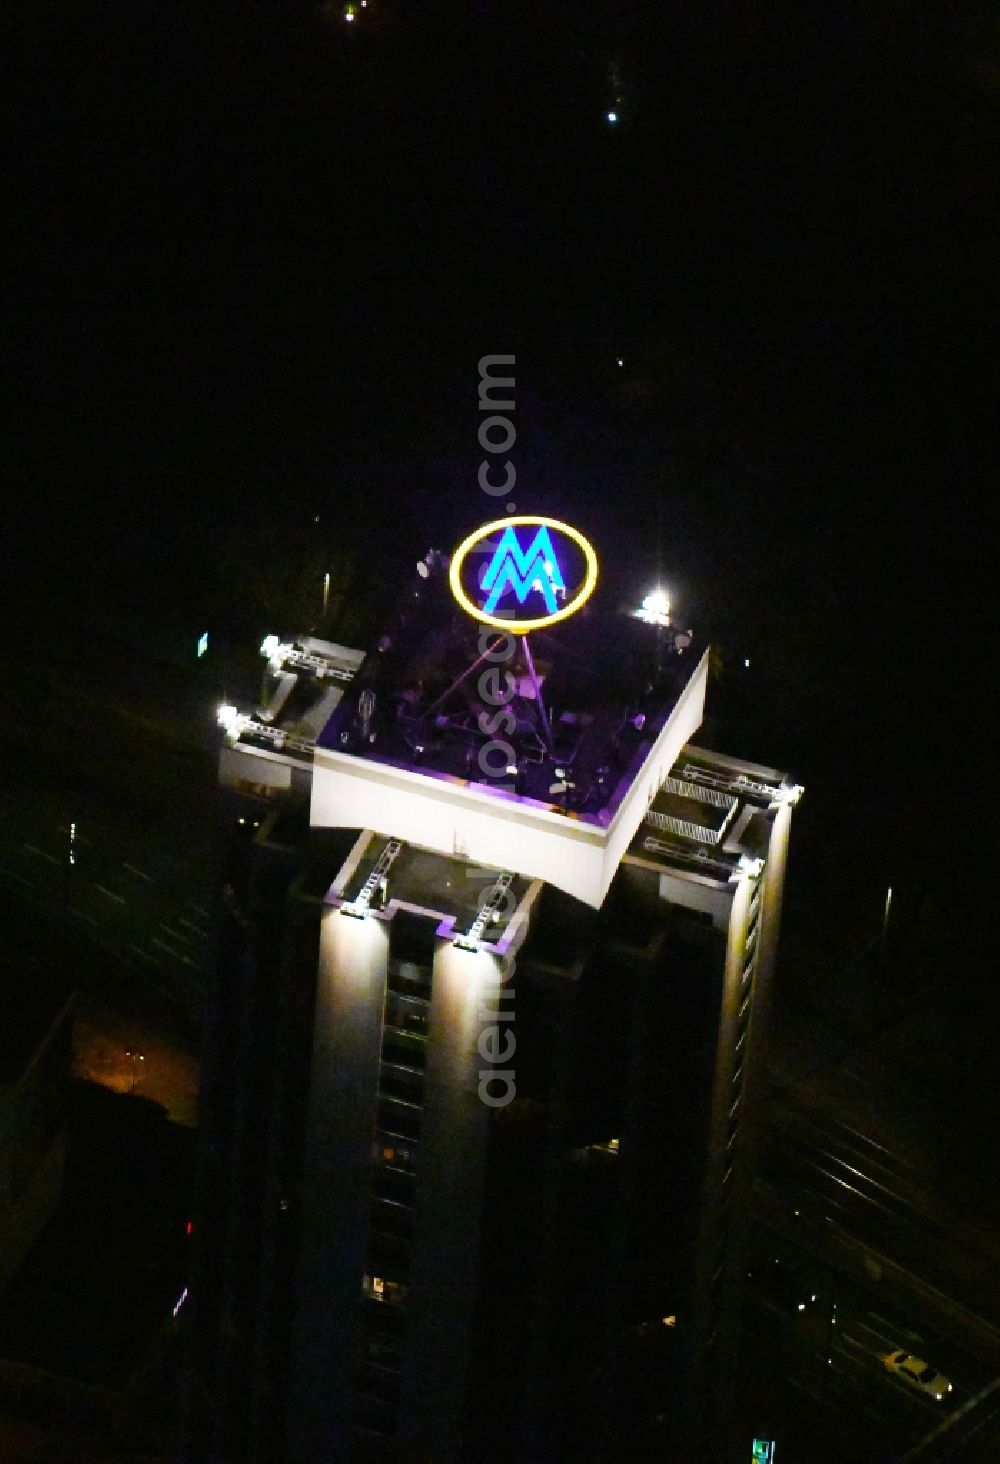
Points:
(526, 567)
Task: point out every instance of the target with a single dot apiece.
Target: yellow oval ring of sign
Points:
(522, 627)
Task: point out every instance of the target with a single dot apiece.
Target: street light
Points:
(136, 1057)
(880, 957)
(70, 862)
(885, 924)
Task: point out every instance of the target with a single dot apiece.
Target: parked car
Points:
(917, 1373)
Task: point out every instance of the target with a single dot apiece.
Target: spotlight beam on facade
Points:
(488, 911)
(360, 906)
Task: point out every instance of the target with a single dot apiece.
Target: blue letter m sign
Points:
(534, 569)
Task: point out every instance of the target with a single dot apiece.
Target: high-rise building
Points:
(35, 1041)
(491, 995)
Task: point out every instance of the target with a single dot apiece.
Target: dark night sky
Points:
(260, 254)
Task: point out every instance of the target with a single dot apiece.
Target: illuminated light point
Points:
(655, 608)
(612, 117)
(620, 361)
(269, 646)
(746, 660)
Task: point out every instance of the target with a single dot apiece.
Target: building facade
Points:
(481, 1053)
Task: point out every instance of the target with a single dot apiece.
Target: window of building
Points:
(380, 1288)
(389, 1151)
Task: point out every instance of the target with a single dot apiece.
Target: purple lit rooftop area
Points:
(609, 683)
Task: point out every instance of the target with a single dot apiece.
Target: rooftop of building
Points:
(538, 755)
(303, 683)
(387, 876)
(608, 684)
(710, 815)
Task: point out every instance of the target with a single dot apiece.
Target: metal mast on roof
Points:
(487, 654)
(546, 729)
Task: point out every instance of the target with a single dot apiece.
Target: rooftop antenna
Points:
(659, 576)
(659, 540)
(486, 655)
(546, 729)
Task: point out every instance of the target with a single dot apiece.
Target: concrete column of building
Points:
(755, 1069)
(453, 1142)
(547, 1300)
(772, 892)
(623, 1278)
(709, 1295)
(266, 1403)
(350, 997)
(249, 1068)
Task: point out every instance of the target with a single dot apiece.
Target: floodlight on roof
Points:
(655, 608)
(233, 722)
